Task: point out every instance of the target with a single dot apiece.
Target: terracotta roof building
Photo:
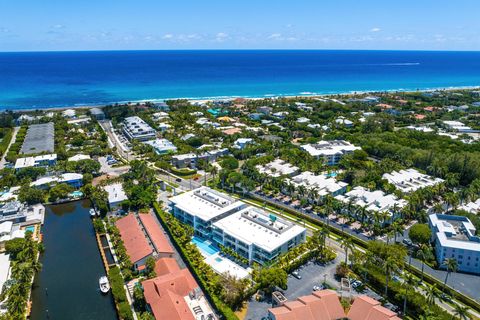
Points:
(134, 240)
(325, 305)
(156, 235)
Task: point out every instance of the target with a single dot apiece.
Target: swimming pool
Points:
(205, 246)
(331, 175)
(30, 228)
(77, 194)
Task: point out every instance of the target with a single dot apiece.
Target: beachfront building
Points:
(116, 195)
(278, 168)
(201, 207)
(241, 143)
(373, 201)
(73, 179)
(162, 146)
(410, 180)
(454, 237)
(97, 113)
(325, 305)
(191, 159)
(330, 151)
(9, 231)
(69, 113)
(137, 129)
(317, 186)
(256, 235)
(45, 160)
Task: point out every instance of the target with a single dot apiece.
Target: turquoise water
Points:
(205, 246)
(30, 228)
(56, 79)
(331, 175)
(77, 194)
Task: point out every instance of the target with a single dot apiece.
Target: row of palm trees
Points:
(24, 266)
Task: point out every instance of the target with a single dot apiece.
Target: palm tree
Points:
(347, 245)
(422, 254)
(408, 284)
(460, 312)
(389, 266)
(451, 264)
(431, 293)
(397, 229)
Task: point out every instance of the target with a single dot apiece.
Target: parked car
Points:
(446, 297)
(356, 284)
(318, 288)
(296, 275)
(178, 179)
(407, 241)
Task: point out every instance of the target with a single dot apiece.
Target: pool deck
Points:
(222, 264)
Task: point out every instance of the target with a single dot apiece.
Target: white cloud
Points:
(167, 36)
(275, 36)
(375, 29)
(221, 36)
(58, 26)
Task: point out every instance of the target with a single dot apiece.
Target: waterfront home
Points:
(17, 212)
(9, 231)
(73, 179)
(455, 237)
(174, 294)
(69, 113)
(410, 180)
(45, 160)
(330, 151)
(137, 129)
(134, 240)
(325, 305)
(116, 195)
(162, 247)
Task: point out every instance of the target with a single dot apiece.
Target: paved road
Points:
(112, 171)
(121, 149)
(464, 283)
(14, 135)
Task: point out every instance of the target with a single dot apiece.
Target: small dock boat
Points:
(93, 213)
(104, 284)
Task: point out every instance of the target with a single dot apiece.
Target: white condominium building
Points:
(323, 184)
(331, 151)
(410, 180)
(200, 207)
(137, 129)
(257, 235)
(38, 161)
(278, 168)
(251, 232)
(454, 237)
(372, 200)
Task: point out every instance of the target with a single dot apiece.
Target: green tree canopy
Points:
(420, 233)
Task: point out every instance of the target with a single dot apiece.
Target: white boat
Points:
(104, 284)
(93, 213)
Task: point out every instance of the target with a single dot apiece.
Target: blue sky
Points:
(38, 25)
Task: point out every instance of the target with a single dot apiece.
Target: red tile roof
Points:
(165, 295)
(165, 266)
(133, 238)
(156, 234)
(325, 305)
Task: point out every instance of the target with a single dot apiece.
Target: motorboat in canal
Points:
(104, 284)
(93, 213)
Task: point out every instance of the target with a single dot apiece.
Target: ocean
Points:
(58, 79)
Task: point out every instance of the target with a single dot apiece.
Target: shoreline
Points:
(252, 97)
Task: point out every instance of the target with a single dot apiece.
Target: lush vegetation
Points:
(24, 259)
(117, 285)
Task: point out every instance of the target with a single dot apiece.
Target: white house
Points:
(116, 195)
(331, 151)
(410, 180)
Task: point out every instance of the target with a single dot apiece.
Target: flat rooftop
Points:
(39, 138)
(455, 231)
(277, 168)
(410, 180)
(205, 203)
(256, 226)
(332, 147)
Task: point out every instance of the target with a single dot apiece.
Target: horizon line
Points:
(226, 50)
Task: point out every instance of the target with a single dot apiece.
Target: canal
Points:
(67, 285)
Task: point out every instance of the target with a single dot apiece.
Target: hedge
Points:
(7, 136)
(119, 294)
(427, 278)
(225, 311)
(182, 172)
